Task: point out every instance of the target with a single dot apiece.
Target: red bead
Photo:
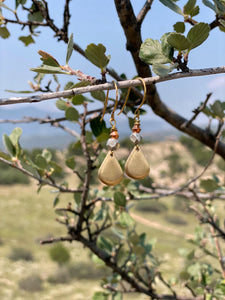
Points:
(136, 128)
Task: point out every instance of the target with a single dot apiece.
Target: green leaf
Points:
(57, 168)
(172, 5)
(198, 34)
(218, 109)
(48, 59)
(5, 6)
(20, 92)
(195, 11)
(96, 54)
(99, 95)
(104, 244)
(69, 49)
(5, 156)
(151, 52)
(47, 155)
(163, 70)
(56, 201)
(46, 69)
(70, 162)
(15, 135)
(35, 16)
(72, 114)
(104, 135)
(209, 4)
(69, 85)
(27, 40)
(77, 198)
(119, 199)
(100, 296)
(178, 41)
(167, 49)
(9, 145)
(61, 104)
(220, 6)
(41, 162)
(117, 296)
(125, 220)
(97, 126)
(18, 2)
(4, 33)
(208, 185)
(189, 6)
(179, 27)
(78, 100)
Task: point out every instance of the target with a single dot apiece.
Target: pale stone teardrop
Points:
(136, 165)
(110, 172)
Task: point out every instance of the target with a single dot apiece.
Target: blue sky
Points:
(97, 22)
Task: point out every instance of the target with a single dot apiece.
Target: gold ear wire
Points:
(112, 120)
(105, 105)
(137, 111)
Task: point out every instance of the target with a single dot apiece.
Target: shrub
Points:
(174, 219)
(8, 175)
(199, 152)
(21, 254)
(152, 207)
(62, 276)
(59, 254)
(175, 163)
(31, 283)
(87, 271)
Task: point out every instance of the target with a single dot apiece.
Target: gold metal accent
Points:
(110, 172)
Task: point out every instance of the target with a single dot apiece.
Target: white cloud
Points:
(217, 83)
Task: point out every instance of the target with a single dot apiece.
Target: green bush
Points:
(176, 166)
(152, 207)
(21, 254)
(176, 220)
(87, 271)
(59, 254)
(9, 175)
(62, 276)
(31, 283)
(198, 151)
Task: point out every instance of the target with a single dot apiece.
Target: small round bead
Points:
(135, 138)
(112, 144)
(136, 128)
(114, 134)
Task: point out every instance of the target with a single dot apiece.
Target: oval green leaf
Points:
(96, 54)
(178, 41)
(72, 114)
(198, 34)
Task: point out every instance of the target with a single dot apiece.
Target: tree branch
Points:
(145, 9)
(39, 179)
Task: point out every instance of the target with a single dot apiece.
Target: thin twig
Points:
(197, 112)
(111, 86)
(219, 251)
(39, 179)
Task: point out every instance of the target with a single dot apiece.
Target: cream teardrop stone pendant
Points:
(110, 172)
(136, 165)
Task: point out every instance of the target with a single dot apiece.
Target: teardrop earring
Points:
(110, 171)
(136, 165)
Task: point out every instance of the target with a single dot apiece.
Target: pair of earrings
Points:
(136, 166)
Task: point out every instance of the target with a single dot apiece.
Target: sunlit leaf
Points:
(5, 156)
(48, 59)
(208, 185)
(48, 70)
(41, 161)
(151, 52)
(47, 155)
(61, 104)
(70, 162)
(163, 70)
(100, 296)
(15, 135)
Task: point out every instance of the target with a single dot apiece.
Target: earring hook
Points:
(112, 120)
(137, 111)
